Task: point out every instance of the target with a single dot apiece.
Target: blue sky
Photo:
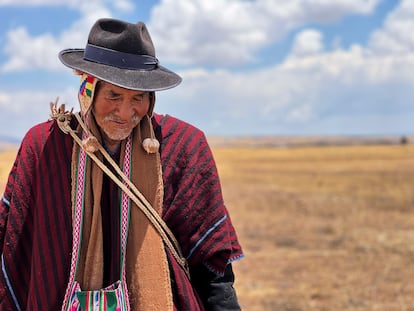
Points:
(249, 67)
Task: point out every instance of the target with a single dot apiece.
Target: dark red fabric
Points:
(193, 201)
(35, 215)
(37, 232)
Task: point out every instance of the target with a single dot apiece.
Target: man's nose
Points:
(125, 110)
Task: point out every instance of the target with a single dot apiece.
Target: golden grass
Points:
(323, 228)
(7, 157)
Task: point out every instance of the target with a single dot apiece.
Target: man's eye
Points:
(114, 97)
(137, 100)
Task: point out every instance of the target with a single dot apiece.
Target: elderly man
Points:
(116, 207)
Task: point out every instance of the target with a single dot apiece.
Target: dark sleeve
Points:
(216, 292)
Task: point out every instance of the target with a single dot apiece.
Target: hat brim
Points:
(144, 80)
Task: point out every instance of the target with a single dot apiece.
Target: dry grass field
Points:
(323, 228)
(7, 156)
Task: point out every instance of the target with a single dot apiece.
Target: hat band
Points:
(119, 59)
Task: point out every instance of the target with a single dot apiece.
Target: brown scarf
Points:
(147, 269)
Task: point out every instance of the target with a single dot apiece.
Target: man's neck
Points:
(111, 146)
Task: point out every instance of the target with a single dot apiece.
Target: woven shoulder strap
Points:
(78, 228)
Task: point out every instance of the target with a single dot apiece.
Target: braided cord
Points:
(128, 187)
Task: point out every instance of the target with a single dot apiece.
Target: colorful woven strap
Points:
(78, 221)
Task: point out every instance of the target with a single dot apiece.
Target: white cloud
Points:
(123, 5)
(333, 10)
(396, 36)
(301, 114)
(5, 99)
(229, 32)
(309, 90)
(21, 110)
(220, 32)
(308, 42)
(37, 3)
(203, 32)
(314, 87)
(27, 52)
(29, 103)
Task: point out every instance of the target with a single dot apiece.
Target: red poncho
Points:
(35, 215)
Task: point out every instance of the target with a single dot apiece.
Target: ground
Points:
(323, 228)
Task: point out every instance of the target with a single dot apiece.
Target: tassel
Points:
(90, 144)
(151, 145)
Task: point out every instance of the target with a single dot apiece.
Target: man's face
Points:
(117, 110)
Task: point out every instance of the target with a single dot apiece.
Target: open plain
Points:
(323, 228)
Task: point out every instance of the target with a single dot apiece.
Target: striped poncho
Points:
(35, 215)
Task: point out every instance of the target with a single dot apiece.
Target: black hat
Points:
(123, 54)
